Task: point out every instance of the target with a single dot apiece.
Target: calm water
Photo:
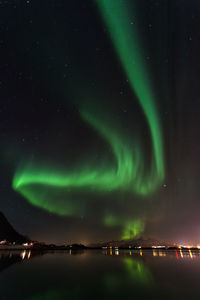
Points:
(100, 275)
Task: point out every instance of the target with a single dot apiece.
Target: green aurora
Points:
(132, 228)
(56, 190)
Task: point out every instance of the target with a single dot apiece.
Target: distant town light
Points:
(3, 242)
(116, 252)
(188, 247)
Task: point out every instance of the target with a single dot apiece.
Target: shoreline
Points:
(57, 248)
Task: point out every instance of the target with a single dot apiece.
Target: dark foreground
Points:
(96, 274)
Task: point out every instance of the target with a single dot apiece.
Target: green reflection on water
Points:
(136, 275)
(138, 272)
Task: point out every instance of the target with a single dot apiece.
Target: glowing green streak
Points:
(128, 173)
(124, 37)
(104, 178)
(36, 182)
(131, 228)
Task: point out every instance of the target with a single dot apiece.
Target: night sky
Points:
(100, 119)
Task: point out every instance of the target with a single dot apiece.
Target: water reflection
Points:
(106, 274)
(25, 254)
(138, 272)
(186, 253)
(8, 258)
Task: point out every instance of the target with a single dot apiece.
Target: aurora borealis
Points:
(96, 132)
(130, 170)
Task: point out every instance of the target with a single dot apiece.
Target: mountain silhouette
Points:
(8, 233)
(142, 241)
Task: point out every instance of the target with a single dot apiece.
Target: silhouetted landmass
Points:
(8, 233)
(144, 242)
(42, 246)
